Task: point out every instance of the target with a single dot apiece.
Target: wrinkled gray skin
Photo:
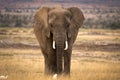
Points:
(57, 24)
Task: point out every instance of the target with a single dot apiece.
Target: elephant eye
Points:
(51, 25)
(68, 24)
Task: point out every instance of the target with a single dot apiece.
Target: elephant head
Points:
(61, 25)
(59, 21)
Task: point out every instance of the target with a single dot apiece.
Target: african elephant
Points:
(56, 30)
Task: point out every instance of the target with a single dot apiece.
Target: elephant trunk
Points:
(59, 51)
(60, 44)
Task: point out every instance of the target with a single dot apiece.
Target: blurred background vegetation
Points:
(98, 14)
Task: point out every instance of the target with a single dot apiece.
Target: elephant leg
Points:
(67, 62)
(46, 66)
(52, 63)
(46, 62)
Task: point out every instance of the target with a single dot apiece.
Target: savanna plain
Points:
(96, 55)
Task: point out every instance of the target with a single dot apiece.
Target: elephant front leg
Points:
(50, 66)
(47, 64)
(50, 62)
(47, 69)
(67, 62)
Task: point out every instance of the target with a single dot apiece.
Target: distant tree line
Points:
(108, 18)
(101, 23)
(102, 18)
(7, 20)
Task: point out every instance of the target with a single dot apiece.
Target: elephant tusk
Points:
(66, 45)
(54, 45)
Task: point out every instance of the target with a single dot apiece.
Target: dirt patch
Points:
(9, 44)
(114, 47)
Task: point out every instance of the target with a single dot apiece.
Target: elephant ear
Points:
(76, 21)
(41, 21)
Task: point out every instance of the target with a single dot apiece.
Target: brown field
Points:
(96, 55)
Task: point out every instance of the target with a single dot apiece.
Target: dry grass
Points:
(19, 51)
(95, 71)
(32, 69)
(28, 64)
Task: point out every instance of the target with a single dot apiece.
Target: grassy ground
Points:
(96, 55)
